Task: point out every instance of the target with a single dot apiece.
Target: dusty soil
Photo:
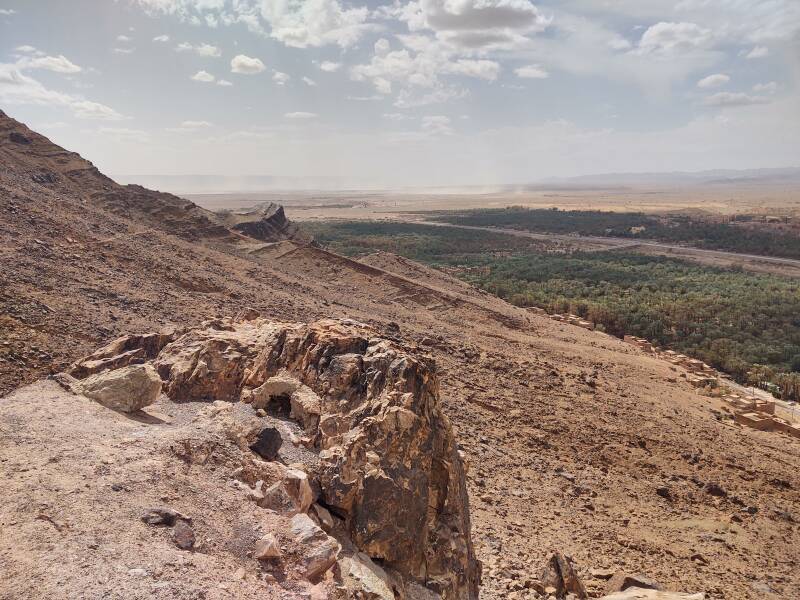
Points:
(576, 441)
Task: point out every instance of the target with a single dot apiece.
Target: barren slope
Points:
(569, 433)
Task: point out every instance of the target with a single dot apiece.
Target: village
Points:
(747, 410)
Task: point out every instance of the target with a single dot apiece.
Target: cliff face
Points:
(382, 458)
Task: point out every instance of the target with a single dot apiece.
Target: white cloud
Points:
(437, 125)
(7, 12)
(473, 24)
(16, 88)
(373, 98)
(329, 66)
(765, 88)
(532, 72)
(410, 98)
(203, 77)
(86, 109)
(26, 49)
(195, 124)
(712, 81)
(245, 65)
(301, 115)
(668, 38)
(124, 39)
(57, 64)
(224, 83)
(480, 69)
(280, 78)
(161, 38)
(723, 99)
(126, 135)
(123, 50)
(396, 116)
(315, 22)
(206, 50)
(309, 81)
(190, 127)
(758, 52)
(420, 65)
(619, 43)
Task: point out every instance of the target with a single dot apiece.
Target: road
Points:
(613, 243)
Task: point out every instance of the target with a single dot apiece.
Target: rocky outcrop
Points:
(386, 473)
(266, 222)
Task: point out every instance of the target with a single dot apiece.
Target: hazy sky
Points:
(407, 92)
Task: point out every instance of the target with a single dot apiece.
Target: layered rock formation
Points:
(386, 474)
(266, 222)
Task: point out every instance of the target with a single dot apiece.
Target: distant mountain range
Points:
(216, 184)
(678, 178)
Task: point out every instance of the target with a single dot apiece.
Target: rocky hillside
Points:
(574, 442)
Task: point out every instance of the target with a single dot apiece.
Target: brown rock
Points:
(183, 536)
(267, 443)
(388, 461)
(161, 516)
(267, 547)
(290, 496)
(560, 575)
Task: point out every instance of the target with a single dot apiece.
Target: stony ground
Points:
(576, 441)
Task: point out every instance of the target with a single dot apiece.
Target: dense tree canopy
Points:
(732, 319)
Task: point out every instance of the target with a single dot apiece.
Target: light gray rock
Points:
(127, 389)
(321, 550)
(364, 579)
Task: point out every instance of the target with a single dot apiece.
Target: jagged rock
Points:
(363, 579)
(127, 389)
(324, 517)
(267, 443)
(266, 221)
(123, 351)
(387, 463)
(559, 576)
(320, 550)
(622, 581)
(267, 547)
(183, 536)
(715, 489)
(161, 516)
(636, 593)
(289, 496)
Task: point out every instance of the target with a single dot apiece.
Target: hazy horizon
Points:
(407, 94)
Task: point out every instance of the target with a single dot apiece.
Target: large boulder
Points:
(388, 465)
(127, 389)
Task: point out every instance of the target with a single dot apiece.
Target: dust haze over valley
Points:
(399, 300)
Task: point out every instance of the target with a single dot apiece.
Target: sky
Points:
(407, 93)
